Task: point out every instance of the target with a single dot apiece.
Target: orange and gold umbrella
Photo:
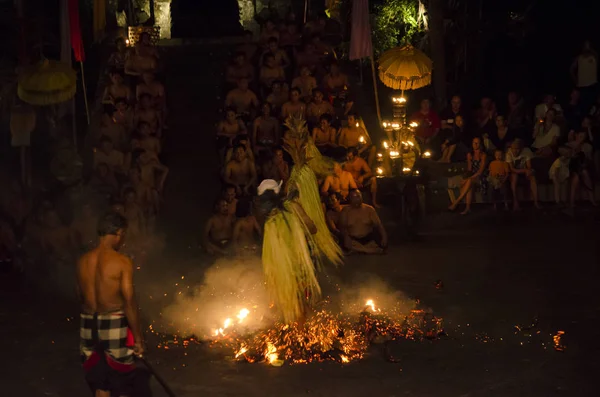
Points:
(405, 68)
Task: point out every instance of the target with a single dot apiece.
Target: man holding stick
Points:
(110, 327)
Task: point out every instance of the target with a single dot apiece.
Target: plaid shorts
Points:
(108, 333)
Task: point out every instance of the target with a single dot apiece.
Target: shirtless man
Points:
(109, 312)
(265, 130)
(335, 81)
(228, 194)
(340, 182)
(294, 107)
(361, 227)
(280, 56)
(107, 154)
(218, 231)
(240, 172)
(124, 115)
(239, 69)
(354, 135)
(276, 168)
(139, 62)
(362, 173)
(318, 107)
(154, 88)
(145, 140)
(278, 96)
(152, 171)
(147, 113)
(333, 214)
(324, 135)
(117, 89)
(270, 72)
(110, 128)
(242, 99)
(305, 83)
(246, 228)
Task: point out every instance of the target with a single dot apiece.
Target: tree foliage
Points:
(395, 23)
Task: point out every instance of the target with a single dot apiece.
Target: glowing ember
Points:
(558, 344)
(344, 359)
(242, 315)
(243, 349)
(371, 305)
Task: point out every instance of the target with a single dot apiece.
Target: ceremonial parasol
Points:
(405, 68)
(47, 83)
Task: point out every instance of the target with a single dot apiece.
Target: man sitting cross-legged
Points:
(361, 227)
(218, 231)
(361, 172)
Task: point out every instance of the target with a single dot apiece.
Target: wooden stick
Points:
(375, 89)
(158, 378)
(87, 109)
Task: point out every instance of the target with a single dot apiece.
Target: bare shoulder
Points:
(369, 208)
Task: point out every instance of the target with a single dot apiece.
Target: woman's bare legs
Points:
(466, 188)
(469, 199)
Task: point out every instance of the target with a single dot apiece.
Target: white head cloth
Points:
(269, 184)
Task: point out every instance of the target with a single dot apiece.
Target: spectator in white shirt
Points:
(519, 161)
(548, 103)
(545, 135)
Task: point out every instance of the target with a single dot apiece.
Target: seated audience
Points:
(324, 136)
(103, 181)
(228, 193)
(242, 99)
(354, 135)
(110, 128)
(246, 230)
(428, 122)
(147, 113)
(318, 107)
(240, 172)
(239, 69)
(361, 227)
(278, 96)
(218, 231)
(452, 147)
(475, 178)
(305, 83)
(499, 172)
(335, 81)
(276, 167)
(117, 89)
(152, 171)
(449, 115)
(144, 140)
(548, 103)
(362, 173)
(545, 135)
(519, 161)
(106, 154)
(265, 130)
(485, 117)
(294, 107)
(279, 55)
(341, 182)
(333, 215)
(501, 137)
(155, 89)
(117, 59)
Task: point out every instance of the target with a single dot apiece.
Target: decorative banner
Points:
(76, 40)
(360, 39)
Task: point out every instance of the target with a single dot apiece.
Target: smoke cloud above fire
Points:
(232, 296)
